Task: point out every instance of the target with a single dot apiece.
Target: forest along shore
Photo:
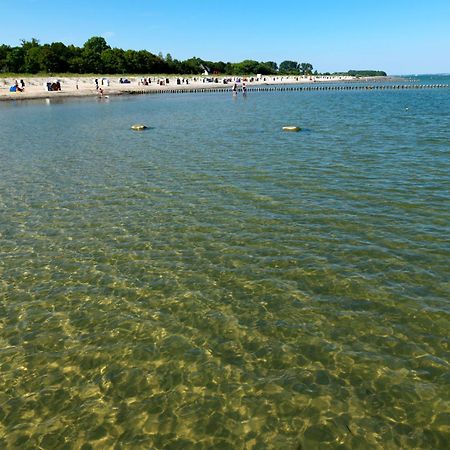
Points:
(27, 88)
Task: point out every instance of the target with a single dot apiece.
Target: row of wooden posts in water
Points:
(295, 88)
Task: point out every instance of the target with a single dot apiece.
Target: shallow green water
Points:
(214, 283)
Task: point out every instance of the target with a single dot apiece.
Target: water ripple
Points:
(216, 283)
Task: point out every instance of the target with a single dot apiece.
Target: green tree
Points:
(4, 51)
(216, 67)
(267, 68)
(60, 57)
(75, 59)
(92, 54)
(54, 57)
(15, 60)
(96, 56)
(306, 68)
(366, 73)
(26, 45)
(32, 55)
(246, 67)
(273, 66)
(289, 67)
(193, 66)
(33, 60)
(173, 65)
(113, 60)
(142, 61)
(96, 44)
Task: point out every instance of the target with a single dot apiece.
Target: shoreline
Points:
(79, 87)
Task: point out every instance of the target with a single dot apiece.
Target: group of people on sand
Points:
(145, 81)
(55, 86)
(17, 87)
(102, 81)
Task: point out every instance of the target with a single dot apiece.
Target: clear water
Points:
(215, 283)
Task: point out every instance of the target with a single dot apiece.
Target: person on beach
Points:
(244, 89)
(16, 87)
(234, 89)
(96, 83)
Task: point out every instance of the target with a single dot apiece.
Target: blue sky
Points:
(398, 36)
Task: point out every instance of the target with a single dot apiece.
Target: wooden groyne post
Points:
(293, 88)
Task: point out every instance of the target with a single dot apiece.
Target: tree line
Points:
(367, 73)
(96, 56)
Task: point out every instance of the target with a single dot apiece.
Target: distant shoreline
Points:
(73, 87)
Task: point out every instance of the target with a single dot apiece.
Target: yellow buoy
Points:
(291, 128)
(138, 127)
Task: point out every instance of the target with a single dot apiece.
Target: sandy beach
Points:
(36, 87)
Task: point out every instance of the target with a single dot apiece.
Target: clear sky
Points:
(398, 36)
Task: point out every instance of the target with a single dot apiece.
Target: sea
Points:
(213, 282)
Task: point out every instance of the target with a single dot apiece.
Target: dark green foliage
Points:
(92, 54)
(192, 66)
(4, 51)
(114, 61)
(268, 68)
(289, 67)
(96, 45)
(15, 60)
(248, 67)
(96, 56)
(306, 68)
(33, 60)
(366, 73)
